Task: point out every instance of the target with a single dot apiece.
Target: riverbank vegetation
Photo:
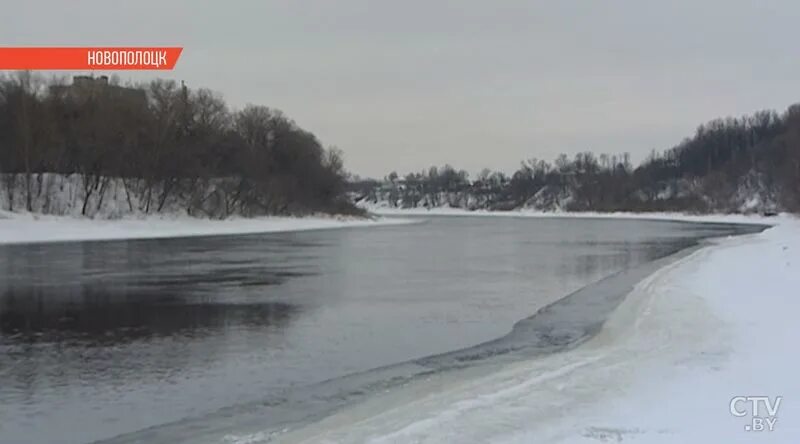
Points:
(745, 164)
(96, 147)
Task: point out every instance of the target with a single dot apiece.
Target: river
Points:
(143, 340)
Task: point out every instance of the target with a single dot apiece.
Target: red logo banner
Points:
(87, 58)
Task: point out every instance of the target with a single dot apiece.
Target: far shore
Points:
(25, 228)
(675, 216)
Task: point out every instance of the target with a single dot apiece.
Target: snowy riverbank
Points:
(714, 326)
(446, 211)
(30, 228)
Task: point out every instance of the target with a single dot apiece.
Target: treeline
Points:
(162, 147)
(742, 164)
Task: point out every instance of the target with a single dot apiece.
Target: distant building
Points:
(83, 88)
(89, 81)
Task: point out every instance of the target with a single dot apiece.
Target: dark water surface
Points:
(160, 340)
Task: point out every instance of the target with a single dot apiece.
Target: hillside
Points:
(747, 164)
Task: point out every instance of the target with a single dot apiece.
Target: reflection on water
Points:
(121, 336)
(102, 292)
(100, 317)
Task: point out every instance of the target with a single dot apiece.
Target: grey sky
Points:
(407, 84)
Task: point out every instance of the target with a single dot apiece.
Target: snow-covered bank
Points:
(716, 325)
(720, 325)
(687, 217)
(29, 228)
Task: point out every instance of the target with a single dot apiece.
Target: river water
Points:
(187, 339)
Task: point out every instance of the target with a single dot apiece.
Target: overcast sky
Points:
(407, 84)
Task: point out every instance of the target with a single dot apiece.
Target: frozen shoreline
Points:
(686, 217)
(715, 325)
(19, 228)
(694, 336)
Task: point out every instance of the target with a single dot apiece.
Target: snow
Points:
(112, 198)
(30, 228)
(741, 342)
(449, 211)
(716, 324)
(118, 210)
